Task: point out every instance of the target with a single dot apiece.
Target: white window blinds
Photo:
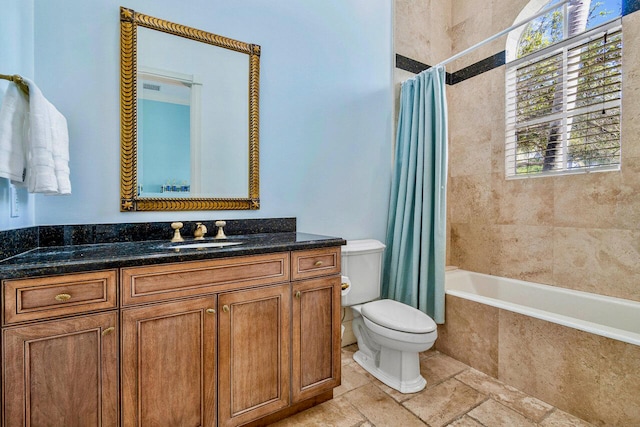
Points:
(563, 106)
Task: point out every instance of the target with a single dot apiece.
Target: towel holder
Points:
(18, 81)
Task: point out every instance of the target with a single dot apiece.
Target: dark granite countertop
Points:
(75, 258)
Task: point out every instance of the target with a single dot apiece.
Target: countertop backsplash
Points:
(49, 250)
(14, 242)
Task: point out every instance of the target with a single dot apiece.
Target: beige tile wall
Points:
(470, 334)
(422, 30)
(580, 232)
(589, 376)
(592, 377)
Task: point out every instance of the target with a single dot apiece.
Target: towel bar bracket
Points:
(18, 80)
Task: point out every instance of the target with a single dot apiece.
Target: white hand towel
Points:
(13, 114)
(47, 148)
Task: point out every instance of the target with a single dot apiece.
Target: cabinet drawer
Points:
(315, 262)
(54, 296)
(166, 281)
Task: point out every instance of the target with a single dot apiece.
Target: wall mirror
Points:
(189, 118)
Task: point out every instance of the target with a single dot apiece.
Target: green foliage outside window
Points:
(567, 112)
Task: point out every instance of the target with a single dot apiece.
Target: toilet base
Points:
(408, 381)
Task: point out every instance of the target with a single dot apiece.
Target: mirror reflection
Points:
(177, 149)
(195, 134)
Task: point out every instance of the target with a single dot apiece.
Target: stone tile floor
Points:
(456, 395)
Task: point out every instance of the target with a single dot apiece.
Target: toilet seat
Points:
(398, 316)
(398, 321)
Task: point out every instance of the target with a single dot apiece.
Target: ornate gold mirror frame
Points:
(130, 200)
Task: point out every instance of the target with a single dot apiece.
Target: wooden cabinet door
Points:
(316, 337)
(253, 355)
(62, 373)
(169, 364)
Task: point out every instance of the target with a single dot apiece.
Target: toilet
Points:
(390, 334)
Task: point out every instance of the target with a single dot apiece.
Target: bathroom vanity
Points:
(148, 333)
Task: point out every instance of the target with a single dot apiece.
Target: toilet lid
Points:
(398, 316)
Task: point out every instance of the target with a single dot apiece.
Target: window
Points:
(563, 93)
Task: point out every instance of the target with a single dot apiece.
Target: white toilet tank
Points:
(362, 264)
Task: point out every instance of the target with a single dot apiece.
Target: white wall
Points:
(16, 57)
(325, 106)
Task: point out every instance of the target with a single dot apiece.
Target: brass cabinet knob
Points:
(62, 297)
(108, 330)
(345, 286)
(318, 263)
(298, 294)
(211, 311)
(225, 308)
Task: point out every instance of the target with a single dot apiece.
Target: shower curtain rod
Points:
(503, 32)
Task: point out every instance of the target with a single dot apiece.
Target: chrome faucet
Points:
(200, 231)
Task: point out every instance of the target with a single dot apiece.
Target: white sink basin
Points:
(205, 245)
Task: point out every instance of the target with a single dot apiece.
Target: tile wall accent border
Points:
(478, 68)
(465, 73)
(487, 64)
(411, 65)
(630, 6)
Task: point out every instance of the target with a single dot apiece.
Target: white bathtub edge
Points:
(583, 325)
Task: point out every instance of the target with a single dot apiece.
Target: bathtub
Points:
(610, 317)
(577, 351)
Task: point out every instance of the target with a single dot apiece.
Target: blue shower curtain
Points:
(414, 261)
